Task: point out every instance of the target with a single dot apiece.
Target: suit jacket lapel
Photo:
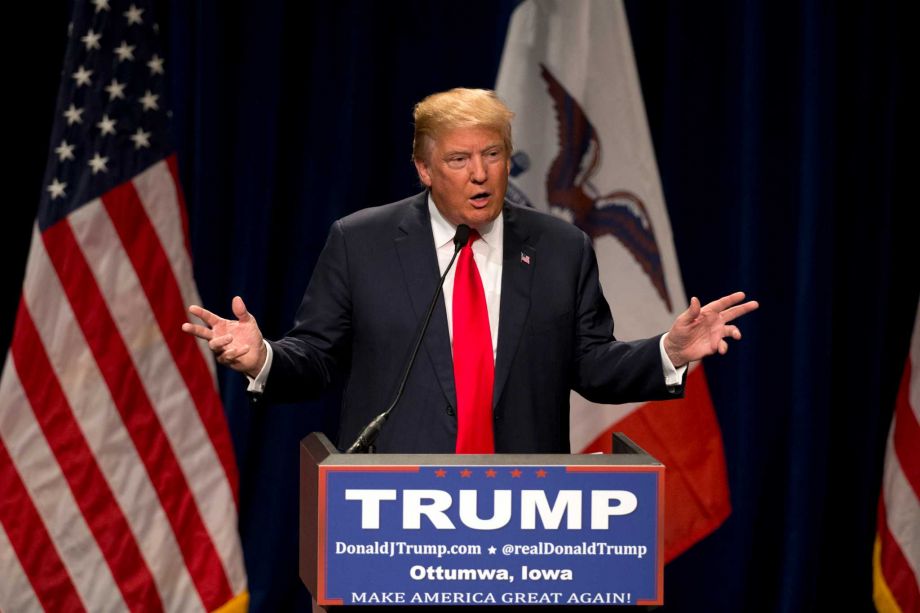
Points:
(419, 262)
(518, 262)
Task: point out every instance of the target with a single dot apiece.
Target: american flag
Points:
(118, 484)
(896, 556)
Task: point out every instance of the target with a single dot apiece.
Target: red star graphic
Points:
(490, 473)
(440, 473)
(541, 473)
(466, 472)
(516, 473)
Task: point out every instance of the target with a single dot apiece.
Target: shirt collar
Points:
(444, 231)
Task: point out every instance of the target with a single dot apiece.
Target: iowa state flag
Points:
(583, 152)
(118, 483)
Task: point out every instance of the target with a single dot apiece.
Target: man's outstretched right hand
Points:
(235, 343)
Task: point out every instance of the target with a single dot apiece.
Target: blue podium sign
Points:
(489, 534)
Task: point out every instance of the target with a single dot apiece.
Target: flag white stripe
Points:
(16, 593)
(51, 495)
(128, 305)
(102, 426)
(158, 193)
(902, 510)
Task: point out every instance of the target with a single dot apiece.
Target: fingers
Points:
(217, 331)
(692, 312)
(204, 315)
(725, 302)
(239, 309)
(219, 343)
(728, 307)
(737, 311)
(196, 330)
(727, 332)
(732, 331)
(225, 351)
(230, 356)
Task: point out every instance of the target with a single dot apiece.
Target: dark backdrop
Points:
(781, 130)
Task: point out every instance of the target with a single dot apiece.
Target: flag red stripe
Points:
(30, 540)
(907, 434)
(897, 572)
(156, 277)
(696, 499)
(140, 419)
(90, 489)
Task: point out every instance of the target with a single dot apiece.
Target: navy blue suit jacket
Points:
(369, 293)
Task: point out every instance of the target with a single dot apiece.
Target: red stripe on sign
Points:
(907, 434)
(141, 421)
(897, 572)
(31, 542)
(615, 469)
(156, 277)
(90, 489)
(697, 500)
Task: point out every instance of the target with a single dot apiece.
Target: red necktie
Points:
(474, 367)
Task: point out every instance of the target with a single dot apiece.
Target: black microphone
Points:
(369, 434)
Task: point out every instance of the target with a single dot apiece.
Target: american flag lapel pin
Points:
(525, 259)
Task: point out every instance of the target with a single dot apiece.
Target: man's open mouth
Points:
(480, 199)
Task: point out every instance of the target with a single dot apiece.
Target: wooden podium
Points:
(481, 529)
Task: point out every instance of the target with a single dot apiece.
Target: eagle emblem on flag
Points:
(619, 213)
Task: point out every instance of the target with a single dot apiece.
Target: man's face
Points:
(467, 172)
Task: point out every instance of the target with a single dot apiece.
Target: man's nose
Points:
(478, 173)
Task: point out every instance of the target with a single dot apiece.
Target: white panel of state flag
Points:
(583, 152)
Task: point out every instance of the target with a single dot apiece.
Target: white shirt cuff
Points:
(672, 376)
(257, 385)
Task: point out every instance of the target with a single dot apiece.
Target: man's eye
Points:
(456, 162)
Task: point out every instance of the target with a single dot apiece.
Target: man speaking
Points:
(521, 320)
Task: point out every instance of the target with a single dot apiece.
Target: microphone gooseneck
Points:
(368, 435)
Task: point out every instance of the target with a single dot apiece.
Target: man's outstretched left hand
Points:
(701, 330)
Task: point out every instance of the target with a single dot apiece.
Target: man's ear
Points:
(423, 175)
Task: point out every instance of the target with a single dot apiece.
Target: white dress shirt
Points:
(487, 253)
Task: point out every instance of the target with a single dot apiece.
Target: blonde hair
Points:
(458, 108)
